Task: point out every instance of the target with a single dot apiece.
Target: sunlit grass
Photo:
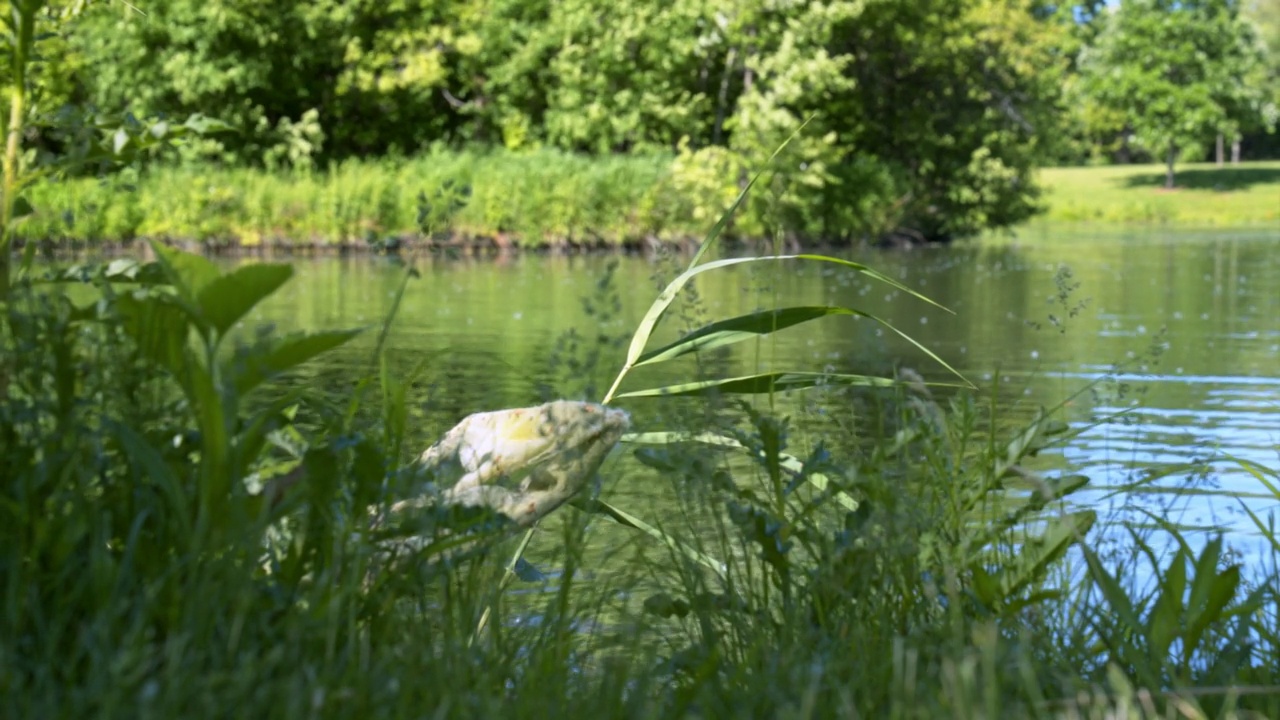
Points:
(535, 199)
(1132, 196)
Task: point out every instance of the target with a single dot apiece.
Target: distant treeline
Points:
(928, 115)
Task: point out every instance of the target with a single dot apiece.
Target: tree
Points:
(929, 116)
(1178, 72)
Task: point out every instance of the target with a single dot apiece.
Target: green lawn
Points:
(1244, 195)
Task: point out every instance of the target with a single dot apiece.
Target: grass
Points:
(1206, 196)
(141, 579)
(529, 199)
(549, 198)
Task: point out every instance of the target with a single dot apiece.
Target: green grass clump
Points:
(910, 562)
(536, 199)
(1206, 196)
(548, 198)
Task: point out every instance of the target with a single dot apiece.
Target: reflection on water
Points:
(1193, 321)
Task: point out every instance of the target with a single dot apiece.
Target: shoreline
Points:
(481, 247)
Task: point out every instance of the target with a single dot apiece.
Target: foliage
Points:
(914, 547)
(935, 147)
(175, 543)
(1177, 73)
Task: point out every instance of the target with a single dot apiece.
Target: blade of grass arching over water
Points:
(771, 382)
(650, 321)
(766, 322)
(790, 462)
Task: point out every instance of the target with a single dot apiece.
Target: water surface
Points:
(1191, 322)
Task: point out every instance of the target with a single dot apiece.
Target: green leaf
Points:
(21, 208)
(202, 125)
(1222, 592)
(1166, 614)
(601, 507)
(1038, 553)
(286, 354)
(743, 327)
(768, 382)
(188, 272)
(227, 298)
(148, 463)
(1117, 599)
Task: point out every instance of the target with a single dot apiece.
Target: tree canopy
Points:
(927, 118)
(1177, 72)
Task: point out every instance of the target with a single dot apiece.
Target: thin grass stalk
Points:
(24, 15)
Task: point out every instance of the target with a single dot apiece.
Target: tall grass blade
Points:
(770, 382)
(600, 507)
(720, 225)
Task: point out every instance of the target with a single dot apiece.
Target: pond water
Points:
(1193, 319)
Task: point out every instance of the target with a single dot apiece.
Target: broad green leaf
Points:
(745, 327)
(21, 208)
(1117, 599)
(1165, 621)
(1221, 592)
(1038, 553)
(768, 382)
(213, 420)
(188, 272)
(252, 436)
(201, 124)
(601, 507)
(128, 270)
(288, 353)
(227, 298)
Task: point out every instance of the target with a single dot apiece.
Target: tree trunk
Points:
(1235, 151)
(1218, 151)
(1168, 173)
(722, 101)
